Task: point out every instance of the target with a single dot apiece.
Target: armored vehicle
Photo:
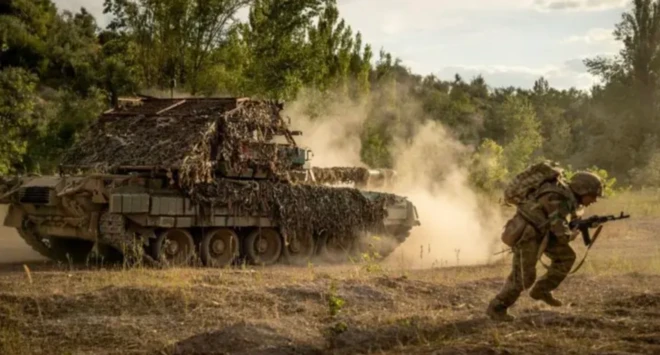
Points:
(215, 180)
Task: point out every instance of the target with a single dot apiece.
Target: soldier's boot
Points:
(498, 312)
(545, 296)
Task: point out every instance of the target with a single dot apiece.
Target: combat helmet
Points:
(586, 183)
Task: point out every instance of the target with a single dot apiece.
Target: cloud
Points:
(571, 73)
(579, 5)
(95, 7)
(594, 35)
(576, 65)
(601, 39)
(397, 22)
(405, 18)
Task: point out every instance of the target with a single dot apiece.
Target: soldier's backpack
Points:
(526, 183)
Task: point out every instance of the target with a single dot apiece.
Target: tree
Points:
(275, 36)
(634, 74)
(17, 121)
(175, 38)
(523, 137)
(24, 28)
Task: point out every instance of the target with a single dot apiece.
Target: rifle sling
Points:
(544, 244)
(593, 240)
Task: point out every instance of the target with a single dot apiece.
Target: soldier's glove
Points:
(574, 235)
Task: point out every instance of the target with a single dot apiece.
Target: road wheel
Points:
(300, 250)
(378, 246)
(335, 250)
(174, 246)
(219, 248)
(263, 246)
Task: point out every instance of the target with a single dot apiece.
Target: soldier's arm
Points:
(558, 210)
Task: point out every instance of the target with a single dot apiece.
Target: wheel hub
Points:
(262, 245)
(294, 246)
(172, 247)
(219, 246)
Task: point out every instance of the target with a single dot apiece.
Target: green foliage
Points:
(648, 175)
(488, 172)
(119, 71)
(523, 136)
(375, 150)
(17, 116)
(275, 34)
(175, 39)
(335, 302)
(67, 117)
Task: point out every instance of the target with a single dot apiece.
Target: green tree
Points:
(488, 172)
(24, 29)
(275, 36)
(175, 38)
(630, 90)
(523, 136)
(17, 121)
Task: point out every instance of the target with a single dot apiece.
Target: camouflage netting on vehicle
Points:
(191, 140)
(299, 209)
(341, 175)
(244, 135)
(139, 141)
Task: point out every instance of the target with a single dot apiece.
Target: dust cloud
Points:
(457, 225)
(333, 138)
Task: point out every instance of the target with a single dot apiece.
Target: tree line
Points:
(59, 70)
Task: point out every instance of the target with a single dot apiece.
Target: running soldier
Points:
(545, 216)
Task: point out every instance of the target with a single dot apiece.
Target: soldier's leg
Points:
(522, 276)
(562, 259)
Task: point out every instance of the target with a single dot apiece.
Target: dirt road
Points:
(612, 307)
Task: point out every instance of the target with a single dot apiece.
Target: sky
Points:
(508, 42)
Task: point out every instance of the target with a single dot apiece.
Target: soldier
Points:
(545, 217)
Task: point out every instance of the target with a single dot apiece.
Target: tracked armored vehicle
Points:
(217, 180)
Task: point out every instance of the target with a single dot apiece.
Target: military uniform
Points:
(543, 224)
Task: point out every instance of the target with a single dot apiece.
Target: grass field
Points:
(612, 305)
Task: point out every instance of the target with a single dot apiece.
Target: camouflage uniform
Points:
(546, 216)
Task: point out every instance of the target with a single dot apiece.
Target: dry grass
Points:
(613, 307)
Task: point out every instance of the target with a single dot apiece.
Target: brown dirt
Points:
(613, 307)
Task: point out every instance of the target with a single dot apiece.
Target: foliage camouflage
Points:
(300, 209)
(181, 135)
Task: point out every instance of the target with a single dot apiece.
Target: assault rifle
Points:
(583, 225)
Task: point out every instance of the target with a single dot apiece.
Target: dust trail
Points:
(334, 138)
(458, 225)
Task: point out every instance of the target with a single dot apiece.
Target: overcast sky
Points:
(510, 42)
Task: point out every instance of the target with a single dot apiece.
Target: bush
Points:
(648, 176)
(488, 172)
